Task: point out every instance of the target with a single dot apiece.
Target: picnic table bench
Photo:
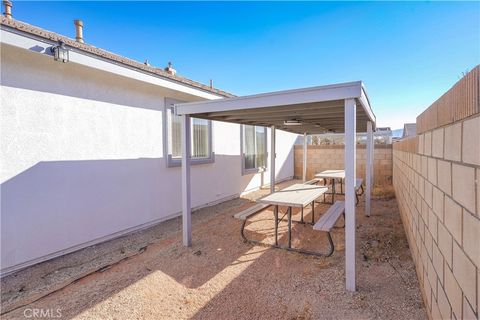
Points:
(328, 221)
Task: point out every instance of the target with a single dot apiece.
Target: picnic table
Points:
(333, 175)
(298, 196)
(294, 196)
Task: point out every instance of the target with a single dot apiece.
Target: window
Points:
(254, 149)
(201, 133)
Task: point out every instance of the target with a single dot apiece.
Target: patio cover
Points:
(320, 109)
(336, 108)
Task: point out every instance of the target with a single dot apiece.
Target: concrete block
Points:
(425, 167)
(428, 290)
(437, 143)
(421, 229)
(471, 141)
(444, 176)
(463, 184)
(453, 142)
(429, 243)
(424, 210)
(468, 313)
(443, 304)
(465, 273)
(428, 193)
(432, 224)
(437, 260)
(418, 166)
(432, 170)
(453, 219)
(437, 202)
(421, 186)
(432, 277)
(445, 243)
(428, 144)
(471, 237)
(477, 180)
(454, 293)
(421, 139)
(436, 315)
(385, 162)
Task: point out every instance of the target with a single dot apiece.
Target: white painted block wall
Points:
(82, 158)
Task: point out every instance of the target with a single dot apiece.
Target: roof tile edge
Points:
(52, 36)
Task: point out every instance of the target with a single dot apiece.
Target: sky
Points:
(406, 53)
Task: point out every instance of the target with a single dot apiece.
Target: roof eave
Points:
(31, 31)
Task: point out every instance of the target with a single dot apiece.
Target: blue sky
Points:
(408, 54)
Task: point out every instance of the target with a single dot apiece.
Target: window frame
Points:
(264, 168)
(167, 136)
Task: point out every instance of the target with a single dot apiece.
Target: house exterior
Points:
(90, 147)
(409, 130)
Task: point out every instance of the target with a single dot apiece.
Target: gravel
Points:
(150, 275)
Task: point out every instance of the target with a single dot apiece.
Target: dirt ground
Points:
(150, 275)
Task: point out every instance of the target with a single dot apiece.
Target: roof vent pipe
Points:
(169, 69)
(78, 30)
(8, 9)
(211, 84)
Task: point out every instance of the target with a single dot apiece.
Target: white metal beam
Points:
(319, 108)
(272, 159)
(350, 177)
(369, 169)
(186, 203)
(274, 99)
(304, 176)
(366, 106)
(373, 155)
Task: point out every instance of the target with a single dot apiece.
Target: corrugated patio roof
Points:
(26, 28)
(318, 109)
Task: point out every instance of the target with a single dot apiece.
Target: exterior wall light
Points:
(292, 122)
(60, 52)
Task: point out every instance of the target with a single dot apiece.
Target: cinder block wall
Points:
(436, 179)
(321, 158)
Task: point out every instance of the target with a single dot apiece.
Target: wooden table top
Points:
(297, 195)
(338, 174)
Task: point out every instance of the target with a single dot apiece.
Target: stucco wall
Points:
(82, 158)
(436, 179)
(320, 158)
